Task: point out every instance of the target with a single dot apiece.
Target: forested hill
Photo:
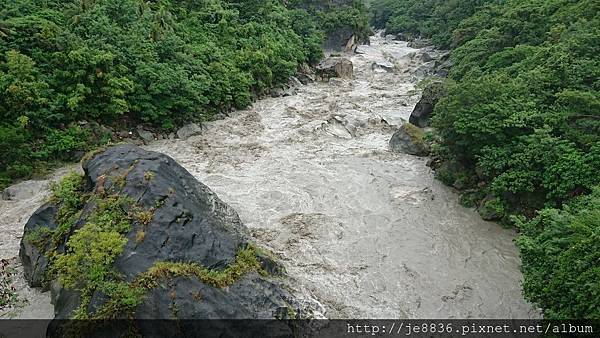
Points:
(519, 129)
(122, 62)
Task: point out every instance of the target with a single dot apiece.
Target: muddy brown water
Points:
(361, 231)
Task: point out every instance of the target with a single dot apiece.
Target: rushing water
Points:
(361, 231)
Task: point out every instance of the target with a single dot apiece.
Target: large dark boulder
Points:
(33, 254)
(491, 209)
(333, 67)
(187, 223)
(443, 64)
(338, 39)
(431, 95)
(409, 139)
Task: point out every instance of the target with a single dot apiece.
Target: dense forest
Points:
(519, 129)
(67, 68)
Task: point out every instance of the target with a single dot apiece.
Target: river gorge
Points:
(361, 231)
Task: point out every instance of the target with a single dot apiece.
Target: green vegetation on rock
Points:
(246, 262)
(519, 129)
(69, 197)
(87, 264)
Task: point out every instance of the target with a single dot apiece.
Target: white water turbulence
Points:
(362, 232)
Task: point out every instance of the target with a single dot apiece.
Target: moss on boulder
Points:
(85, 243)
(410, 140)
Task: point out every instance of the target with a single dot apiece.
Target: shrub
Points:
(560, 250)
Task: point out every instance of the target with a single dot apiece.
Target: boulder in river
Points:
(420, 43)
(383, 65)
(351, 45)
(426, 57)
(189, 130)
(305, 74)
(410, 140)
(145, 135)
(491, 209)
(424, 70)
(24, 190)
(431, 95)
(442, 69)
(139, 237)
(335, 67)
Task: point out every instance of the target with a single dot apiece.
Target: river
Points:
(362, 232)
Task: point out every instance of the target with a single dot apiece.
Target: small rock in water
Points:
(306, 78)
(145, 135)
(277, 92)
(426, 57)
(24, 190)
(409, 139)
(335, 67)
(362, 49)
(294, 82)
(383, 65)
(189, 130)
(422, 113)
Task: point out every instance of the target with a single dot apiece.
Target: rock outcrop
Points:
(419, 43)
(335, 67)
(178, 250)
(146, 135)
(443, 64)
(384, 66)
(422, 113)
(409, 139)
(189, 130)
(352, 44)
(305, 74)
(490, 209)
(24, 190)
(338, 39)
